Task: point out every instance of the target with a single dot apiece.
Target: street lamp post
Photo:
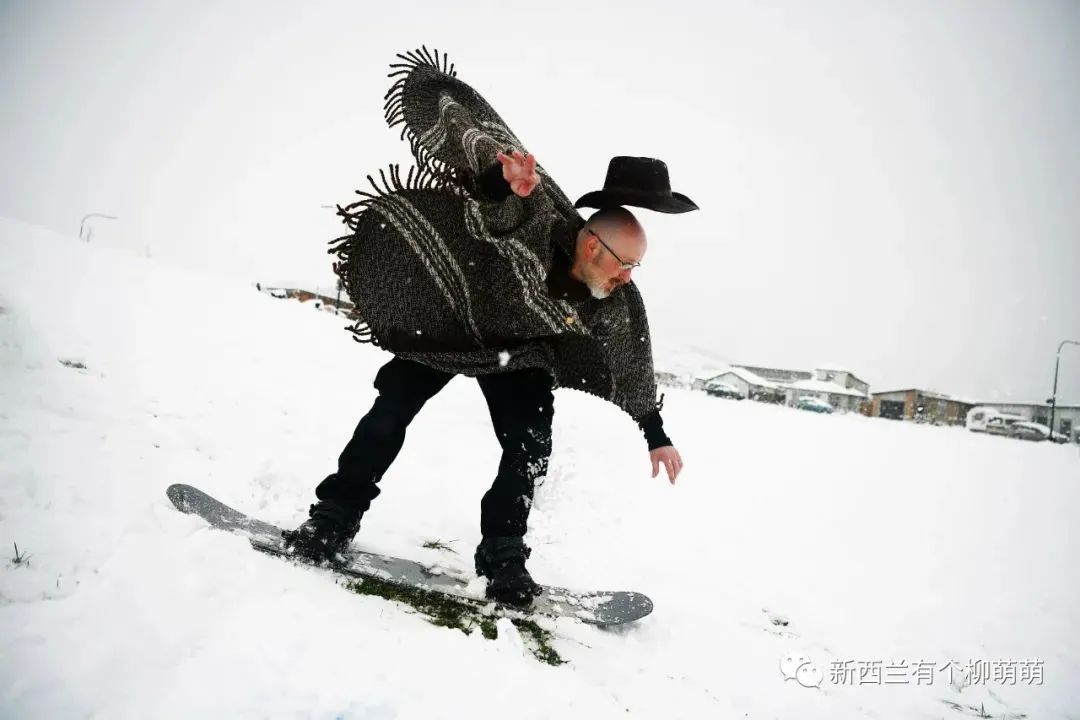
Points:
(1053, 397)
(82, 224)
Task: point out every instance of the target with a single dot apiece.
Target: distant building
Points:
(328, 298)
(844, 378)
(670, 379)
(920, 406)
(749, 384)
(1066, 417)
(779, 376)
(840, 388)
(837, 395)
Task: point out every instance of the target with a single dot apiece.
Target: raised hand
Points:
(520, 171)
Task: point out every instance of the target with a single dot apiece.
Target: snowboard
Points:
(602, 608)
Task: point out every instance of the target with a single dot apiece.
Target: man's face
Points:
(601, 266)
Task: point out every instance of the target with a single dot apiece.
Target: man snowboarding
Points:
(478, 264)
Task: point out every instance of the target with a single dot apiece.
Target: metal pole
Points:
(82, 224)
(1053, 396)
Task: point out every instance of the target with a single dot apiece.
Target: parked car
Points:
(774, 397)
(814, 405)
(724, 390)
(1028, 431)
(991, 420)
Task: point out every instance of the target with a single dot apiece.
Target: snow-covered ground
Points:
(875, 541)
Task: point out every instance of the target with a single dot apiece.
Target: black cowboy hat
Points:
(639, 182)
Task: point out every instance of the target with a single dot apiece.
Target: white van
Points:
(991, 420)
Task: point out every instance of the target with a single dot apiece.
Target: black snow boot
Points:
(327, 532)
(502, 561)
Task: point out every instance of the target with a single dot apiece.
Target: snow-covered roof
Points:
(768, 373)
(839, 369)
(749, 377)
(825, 387)
(1044, 405)
(934, 394)
(819, 386)
(833, 367)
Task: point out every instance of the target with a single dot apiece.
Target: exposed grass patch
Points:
(543, 650)
(460, 614)
(488, 629)
(439, 545)
(22, 560)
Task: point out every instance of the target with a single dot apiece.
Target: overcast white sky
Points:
(891, 186)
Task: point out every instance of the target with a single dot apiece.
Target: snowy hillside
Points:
(790, 534)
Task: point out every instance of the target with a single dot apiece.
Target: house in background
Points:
(840, 397)
(840, 388)
(330, 298)
(847, 392)
(844, 378)
(779, 376)
(921, 406)
(749, 384)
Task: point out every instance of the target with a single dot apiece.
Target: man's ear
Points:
(591, 246)
(581, 243)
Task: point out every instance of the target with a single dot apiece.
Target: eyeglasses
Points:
(623, 265)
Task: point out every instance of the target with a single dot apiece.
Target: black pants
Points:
(521, 409)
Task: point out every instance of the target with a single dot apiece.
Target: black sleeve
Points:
(652, 425)
(491, 186)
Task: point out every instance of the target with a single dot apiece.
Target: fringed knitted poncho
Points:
(443, 275)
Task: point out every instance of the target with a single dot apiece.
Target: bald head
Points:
(616, 221)
(611, 237)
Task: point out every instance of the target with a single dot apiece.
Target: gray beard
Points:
(598, 293)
